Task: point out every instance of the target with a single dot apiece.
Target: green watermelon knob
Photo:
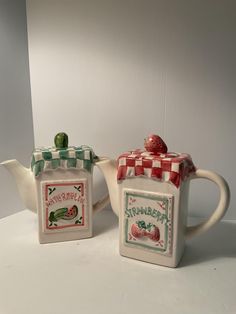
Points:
(61, 140)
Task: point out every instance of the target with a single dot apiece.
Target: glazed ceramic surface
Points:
(64, 192)
(58, 186)
(149, 192)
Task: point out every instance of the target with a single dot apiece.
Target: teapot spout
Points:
(25, 182)
(108, 168)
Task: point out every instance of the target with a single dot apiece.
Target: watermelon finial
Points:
(61, 140)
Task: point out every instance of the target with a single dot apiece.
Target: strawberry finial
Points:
(154, 144)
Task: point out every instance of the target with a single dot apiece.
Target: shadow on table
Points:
(216, 243)
(104, 221)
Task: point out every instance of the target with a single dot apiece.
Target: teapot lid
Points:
(62, 156)
(155, 162)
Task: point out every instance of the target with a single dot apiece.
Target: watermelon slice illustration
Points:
(71, 213)
(63, 213)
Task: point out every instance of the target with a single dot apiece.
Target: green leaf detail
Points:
(51, 190)
(78, 188)
(149, 226)
(141, 224)
(78, 221)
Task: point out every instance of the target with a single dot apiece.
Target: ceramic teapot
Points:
(58, 186)
(149, 192)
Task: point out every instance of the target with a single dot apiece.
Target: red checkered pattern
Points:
(169, 167)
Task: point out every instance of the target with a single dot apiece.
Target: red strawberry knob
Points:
(155, 144)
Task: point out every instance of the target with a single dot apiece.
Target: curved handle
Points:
(99, 205)
(220, 209)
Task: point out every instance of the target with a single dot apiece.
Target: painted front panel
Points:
(147, 221)
(65, 205)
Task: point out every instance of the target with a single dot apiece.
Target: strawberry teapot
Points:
(149, 191)
(58, 186)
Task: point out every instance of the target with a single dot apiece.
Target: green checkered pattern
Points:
(44, 159)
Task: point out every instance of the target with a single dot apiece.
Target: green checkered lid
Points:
(62, 156)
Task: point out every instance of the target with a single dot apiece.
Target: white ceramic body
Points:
(177, 222)
(143, 187)
(64, 178)
(30, 190)
(25, 182)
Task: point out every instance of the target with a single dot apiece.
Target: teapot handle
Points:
(99, 205)
(220, 209)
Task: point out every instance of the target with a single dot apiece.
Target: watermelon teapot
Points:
(149, 192)
(58, 186)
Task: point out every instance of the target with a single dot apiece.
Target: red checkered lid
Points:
(168, 167)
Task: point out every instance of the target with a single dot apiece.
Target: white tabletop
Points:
(89, 276)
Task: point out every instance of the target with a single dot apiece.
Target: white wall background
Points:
(16, 127)
(109, 72)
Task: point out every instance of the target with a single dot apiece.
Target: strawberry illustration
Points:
(154, 233)
(138, 230)
(154, 143)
